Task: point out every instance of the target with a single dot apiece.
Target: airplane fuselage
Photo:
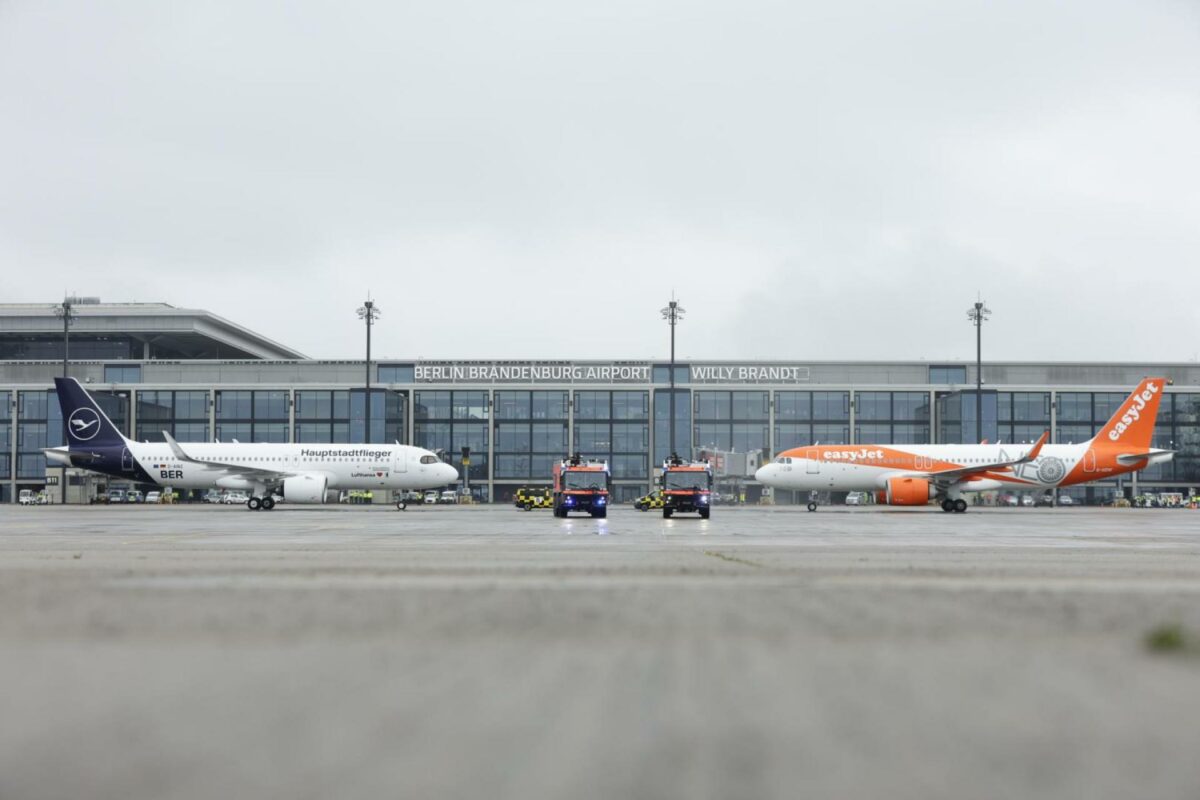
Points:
(345, 466)
(869, 467)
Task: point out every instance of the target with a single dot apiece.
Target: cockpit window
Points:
(428, 459)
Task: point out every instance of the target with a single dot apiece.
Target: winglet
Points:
(1037, 448)
(175, 448)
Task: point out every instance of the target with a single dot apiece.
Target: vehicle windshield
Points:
(585, 480)
(685, 480)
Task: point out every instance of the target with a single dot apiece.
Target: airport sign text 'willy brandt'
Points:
(616, 372)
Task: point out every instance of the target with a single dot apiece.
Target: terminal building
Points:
(155, 367)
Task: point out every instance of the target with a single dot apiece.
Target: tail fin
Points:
(1133, 423)
(86, 423)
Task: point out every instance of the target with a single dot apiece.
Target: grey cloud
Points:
(815, 180)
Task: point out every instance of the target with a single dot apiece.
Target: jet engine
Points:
(305, 488)
(908, 491)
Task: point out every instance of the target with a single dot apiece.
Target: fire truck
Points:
(686, 487)
(581, 486)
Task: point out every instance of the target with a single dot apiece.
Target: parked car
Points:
(27, 497)
(1027, 500)
(856, 499)
(234, 498)
(116, 496)
(431, 497)
(153, 497)
(449, 496)
(1065, 500)
(134, 496)
(1007, 500)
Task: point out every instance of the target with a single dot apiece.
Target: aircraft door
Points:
(1089, 461)
(812, 458)
(126, 460)
(400, 460)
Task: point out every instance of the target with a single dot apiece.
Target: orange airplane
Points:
(912, 475)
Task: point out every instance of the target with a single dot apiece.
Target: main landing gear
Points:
(261, 503)
(812, 506)
(957, 506)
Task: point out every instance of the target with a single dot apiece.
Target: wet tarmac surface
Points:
(465, 652)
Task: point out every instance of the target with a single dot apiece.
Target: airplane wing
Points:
(243, 469)
(948, 476)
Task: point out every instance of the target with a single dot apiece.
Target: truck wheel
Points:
(705, 512)
(667, 512)
(600, 514)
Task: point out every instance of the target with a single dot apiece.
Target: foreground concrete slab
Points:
(466, 652)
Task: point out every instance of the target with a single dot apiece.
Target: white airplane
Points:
(302, 473)
(912, 475)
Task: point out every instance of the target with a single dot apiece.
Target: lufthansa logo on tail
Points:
(84, 424)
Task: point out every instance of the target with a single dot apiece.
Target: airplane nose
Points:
(764, 473)
(449, 473)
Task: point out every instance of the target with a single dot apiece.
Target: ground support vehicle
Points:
(529, 498)
(649, 501)
(581, 486)
(687, 487)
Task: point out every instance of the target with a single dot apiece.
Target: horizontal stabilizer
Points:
(1153, 457)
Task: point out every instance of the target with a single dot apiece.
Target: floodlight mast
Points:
(66, 313)
(672, 314)
(369, 312)
(977, 314)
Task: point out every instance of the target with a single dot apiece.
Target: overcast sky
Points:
(830, 180)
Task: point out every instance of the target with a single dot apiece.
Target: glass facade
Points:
(122, 373)
(735, 421)
(614, 426)
(891, 417)
(252, 416)
(395, 373)
(516, 431)
(804, 418)
(324, 416)
(447, 421)
(5, 443)
(954, 374)
(662, 424)
(49, 347)
(957, 413)
(182, 414)
(530, 434)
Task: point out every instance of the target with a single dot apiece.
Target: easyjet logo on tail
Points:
(1133, 413)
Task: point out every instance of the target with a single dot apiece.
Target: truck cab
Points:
(687, 487)
(581, 485)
